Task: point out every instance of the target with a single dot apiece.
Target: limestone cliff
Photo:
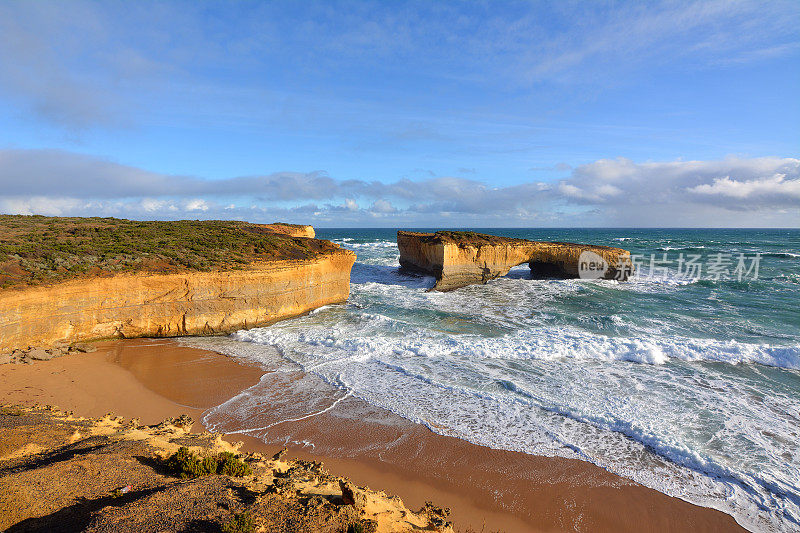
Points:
(167, 305)
(292, 230)
(458, 259)
(35, 250)
(65, 280)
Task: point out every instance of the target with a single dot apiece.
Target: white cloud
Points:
(776, 186)
(571, 191)
(767, 181)
(382, 206)
(627, 35)
(733, 191)
(152, 205)
(40, 205)
(596, 193)
(196, 205)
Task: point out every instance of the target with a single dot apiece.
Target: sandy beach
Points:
(487, 489)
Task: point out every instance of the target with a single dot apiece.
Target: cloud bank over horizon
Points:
(410, 113)
(731, 192)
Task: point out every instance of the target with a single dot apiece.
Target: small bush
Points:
(358, 527)
(240, 523)
(229, 465)
(186, 464)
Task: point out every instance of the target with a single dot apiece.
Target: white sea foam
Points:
(675, 248)
(792, 255)
(537, 408)
(459, 384)
(662, 380)
(363, 336)
(357, 245)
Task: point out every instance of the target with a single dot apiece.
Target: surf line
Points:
(331, 406)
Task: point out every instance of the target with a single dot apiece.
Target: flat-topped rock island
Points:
(461, 258)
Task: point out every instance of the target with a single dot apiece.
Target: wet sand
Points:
(148, 379)
(487, 489)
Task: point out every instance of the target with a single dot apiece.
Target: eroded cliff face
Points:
(292, 230)
(167, 305)
(458, 259)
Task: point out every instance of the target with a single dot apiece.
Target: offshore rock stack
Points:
(461, 258)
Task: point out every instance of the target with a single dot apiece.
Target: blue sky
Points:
(404, 113)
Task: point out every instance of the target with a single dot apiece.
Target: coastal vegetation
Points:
(187, 465)
(240, 523)
(106, 475)
(471, 238)
(37, 249)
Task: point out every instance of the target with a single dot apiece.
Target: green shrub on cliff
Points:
(186, 464)
(37, 249)
(240, 523)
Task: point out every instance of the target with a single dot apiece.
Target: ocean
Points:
(686, 380)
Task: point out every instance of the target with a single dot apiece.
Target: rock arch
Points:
(460, 258)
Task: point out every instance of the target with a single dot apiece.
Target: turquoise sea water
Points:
(689, 386)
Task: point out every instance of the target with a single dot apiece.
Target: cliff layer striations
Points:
(292, 230)
(460, 258)
(69, 280)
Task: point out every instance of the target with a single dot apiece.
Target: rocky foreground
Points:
(59, 472)
(461, 258)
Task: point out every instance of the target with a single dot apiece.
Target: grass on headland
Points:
(471, 238)
(37, 249)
